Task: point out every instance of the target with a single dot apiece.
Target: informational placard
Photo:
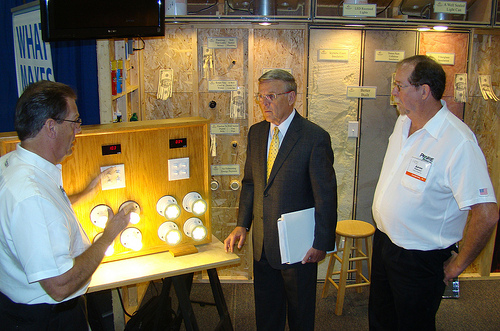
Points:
(222, 42)
(363, 92)
(32, 55)
(225, 128)
(225, 170)
(450, 7)
(337, 55)
(365, 10)
(389, 56)
(443, 58)
(222, 85)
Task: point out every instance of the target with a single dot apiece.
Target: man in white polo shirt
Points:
(433, 173)
(46, 259)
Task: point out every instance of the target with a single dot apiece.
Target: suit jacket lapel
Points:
(291, 138)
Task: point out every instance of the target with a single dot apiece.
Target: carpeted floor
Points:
(477, 308)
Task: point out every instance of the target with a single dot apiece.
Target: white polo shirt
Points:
(429, 181)
(39, 232)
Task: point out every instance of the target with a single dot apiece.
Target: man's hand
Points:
(117, 223)
(93, 187)
(239, 234)
(313, 255)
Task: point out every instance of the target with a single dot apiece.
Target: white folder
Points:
(296, 234)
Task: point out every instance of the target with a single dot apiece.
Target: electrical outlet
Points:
(115, 179)
(178, 168)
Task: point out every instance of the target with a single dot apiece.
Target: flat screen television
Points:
(101, 19)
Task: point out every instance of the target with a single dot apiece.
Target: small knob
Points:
(212, 104)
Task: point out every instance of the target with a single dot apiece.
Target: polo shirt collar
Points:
(53, 171)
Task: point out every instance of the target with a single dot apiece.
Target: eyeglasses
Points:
(269, 97)
(399, 86)
(77, 121)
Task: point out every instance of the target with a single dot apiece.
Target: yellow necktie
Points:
(273, 150)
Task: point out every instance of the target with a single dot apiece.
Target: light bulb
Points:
(169, 232)
(131, 238)
(100, 214)
(167, 207)
(110, 250)
(135, 213)
(134, 217)
(194, 203)
(195, 229)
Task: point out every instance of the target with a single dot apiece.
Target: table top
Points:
(160, 265)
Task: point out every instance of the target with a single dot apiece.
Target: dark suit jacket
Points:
(302, 177)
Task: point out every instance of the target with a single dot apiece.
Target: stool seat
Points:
(351, 255)
(354, 229)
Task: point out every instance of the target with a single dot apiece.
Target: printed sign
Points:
(32, 54)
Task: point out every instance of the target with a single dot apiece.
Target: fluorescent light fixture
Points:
(440, 28)
(195, 229)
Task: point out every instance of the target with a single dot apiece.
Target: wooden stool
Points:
(353, 232)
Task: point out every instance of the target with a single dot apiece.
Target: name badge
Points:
(418, 169)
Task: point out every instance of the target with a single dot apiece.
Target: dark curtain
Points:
(74, 63)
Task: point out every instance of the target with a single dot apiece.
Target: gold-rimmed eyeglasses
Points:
(269, 97)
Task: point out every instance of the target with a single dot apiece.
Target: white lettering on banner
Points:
(33, 56)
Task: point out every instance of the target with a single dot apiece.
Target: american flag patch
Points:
(483, 191)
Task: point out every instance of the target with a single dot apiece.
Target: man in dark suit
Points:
(301, 177)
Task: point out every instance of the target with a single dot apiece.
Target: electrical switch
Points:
(115, 179)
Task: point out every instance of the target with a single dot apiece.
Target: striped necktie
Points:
(273, 150)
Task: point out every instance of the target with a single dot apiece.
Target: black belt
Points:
(59, 307)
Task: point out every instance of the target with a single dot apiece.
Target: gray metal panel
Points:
(377, 116)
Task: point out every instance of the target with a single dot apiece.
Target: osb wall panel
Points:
(455, 43)
(283, 49)
(173, 51)
(482, 116)
(331, 109)
(225, 64)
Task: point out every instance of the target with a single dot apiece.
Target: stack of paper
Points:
(296, 234)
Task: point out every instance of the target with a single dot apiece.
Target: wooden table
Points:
(179, 269)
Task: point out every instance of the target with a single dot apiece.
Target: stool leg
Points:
(369, 250)
(359, 263)
(329, 271)
(343, 276)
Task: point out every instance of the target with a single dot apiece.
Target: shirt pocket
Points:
(413, 184)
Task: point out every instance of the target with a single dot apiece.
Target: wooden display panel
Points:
(144, 153)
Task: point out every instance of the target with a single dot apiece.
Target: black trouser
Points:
(277, 291)
(69, 315)
(406, 286)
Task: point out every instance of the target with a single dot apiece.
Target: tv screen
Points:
(101, 19)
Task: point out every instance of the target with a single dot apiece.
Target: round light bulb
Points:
(199, 207)
(199, 233)
(173, 237)
(134, 217)
(172, 211)
(103, 220)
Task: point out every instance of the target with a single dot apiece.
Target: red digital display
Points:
(111, 149)
(178, 143)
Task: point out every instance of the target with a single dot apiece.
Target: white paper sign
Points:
(222, 85)
(32, 54)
